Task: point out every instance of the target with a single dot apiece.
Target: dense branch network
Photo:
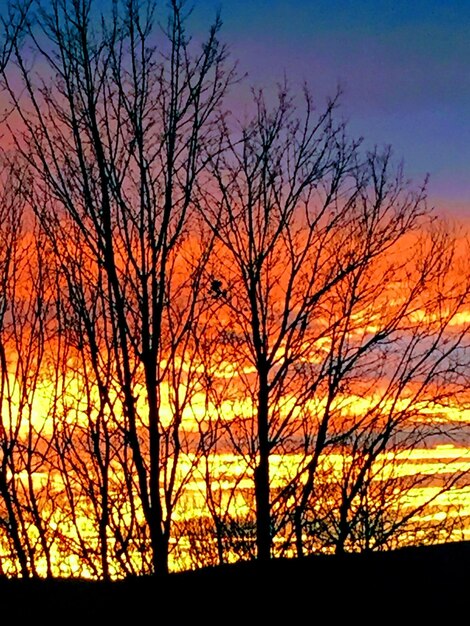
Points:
(218, 339)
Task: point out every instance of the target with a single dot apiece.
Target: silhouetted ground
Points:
(423, 585)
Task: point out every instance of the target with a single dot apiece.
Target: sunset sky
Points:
(220, 341)
(403, 66)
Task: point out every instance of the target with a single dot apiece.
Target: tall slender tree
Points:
(115, 138)
(323, 275)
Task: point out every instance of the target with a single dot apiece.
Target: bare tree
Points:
(366, 502)
(26, 319)
(13, 19)
(115, 147)
(331, 296)
(243, 326)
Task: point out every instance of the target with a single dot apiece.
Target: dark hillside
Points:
(413, 585)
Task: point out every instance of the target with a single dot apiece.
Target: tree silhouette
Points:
(217, 338)
(332, 297)
(115, 146)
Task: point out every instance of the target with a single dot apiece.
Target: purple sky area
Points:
(404, 66)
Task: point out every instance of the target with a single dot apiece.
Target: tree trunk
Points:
(344, 529)
(262, 490)
(299, 543)
(159, 548)
(159, 543)
(13, 527)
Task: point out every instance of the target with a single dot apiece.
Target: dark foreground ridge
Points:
(406, 585)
